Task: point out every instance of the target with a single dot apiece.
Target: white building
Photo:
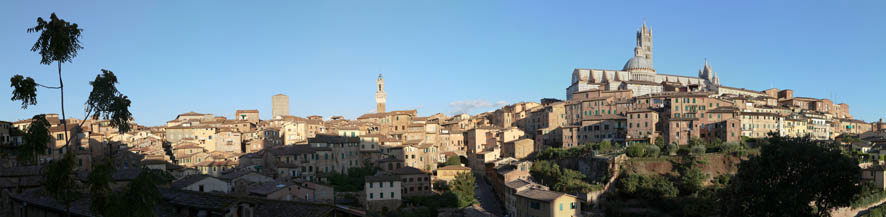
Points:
(639, 75)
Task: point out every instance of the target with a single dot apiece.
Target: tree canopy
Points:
(463, 187)
(59, 40)
(793, 177)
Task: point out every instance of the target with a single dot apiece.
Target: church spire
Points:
(707, 72)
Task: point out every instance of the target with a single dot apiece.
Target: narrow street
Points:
(487, 198)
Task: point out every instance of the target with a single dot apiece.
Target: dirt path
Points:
(850, 212)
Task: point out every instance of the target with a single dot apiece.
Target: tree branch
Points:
(50, 87)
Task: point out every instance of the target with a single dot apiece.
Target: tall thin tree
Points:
(58, 43)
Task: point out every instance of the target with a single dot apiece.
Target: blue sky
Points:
(437, 56)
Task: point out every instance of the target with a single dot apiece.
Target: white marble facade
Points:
(638, 74)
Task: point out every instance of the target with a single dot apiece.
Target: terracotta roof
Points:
(454, 167)
(186, 146)
(725, 109)
(39, 197)
(191, 114)
(188, 180)
(236, 174)
(382, 178)
(21, 171)
(605, 117)
(389, 159)
(407, 171)
(538, 194)
(209, 163)
(333, 139)
(735, 88)
(296, 149)
(371, 115)
(761, 114)
(266, 188)
(518, 183)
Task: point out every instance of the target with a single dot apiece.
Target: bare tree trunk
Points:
(62, 87)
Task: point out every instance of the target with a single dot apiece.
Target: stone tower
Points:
(644, 43)
(380, 96)
(279, 106)
(640, 65)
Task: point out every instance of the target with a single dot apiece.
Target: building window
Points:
(370, 195)
(534, 205)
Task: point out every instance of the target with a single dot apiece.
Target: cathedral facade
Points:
(639, 75)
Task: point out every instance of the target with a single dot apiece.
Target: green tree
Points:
(672, 149)
(691, 178)
(604, 146)
(35, 140)
(572, 181)
(793, 177)
(652, 187)
(694, 141)
(659, 141)
(697, 149)
(546, 172)
(59, 42)
(142, 194)
(560, 179)
(138, 198)
(651, 151)
(60, 182)
(635, 150)
(463, 187)
(454, 160)
(353, 181)
(99, 181)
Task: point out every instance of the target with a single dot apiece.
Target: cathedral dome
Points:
(638, 63)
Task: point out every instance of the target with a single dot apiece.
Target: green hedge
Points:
(869, 196)
(877, 211)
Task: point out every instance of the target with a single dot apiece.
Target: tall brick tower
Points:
(380, 96)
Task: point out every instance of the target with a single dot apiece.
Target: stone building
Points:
(202, 183)
(247, 115)
(448, 173)
(415, 182)
(518, 149)
(544, 203)
(382, 192)
(643, 126)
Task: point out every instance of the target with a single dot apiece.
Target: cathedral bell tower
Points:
(644, 43)
(380, 96)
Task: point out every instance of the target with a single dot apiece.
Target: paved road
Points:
(487, 198)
